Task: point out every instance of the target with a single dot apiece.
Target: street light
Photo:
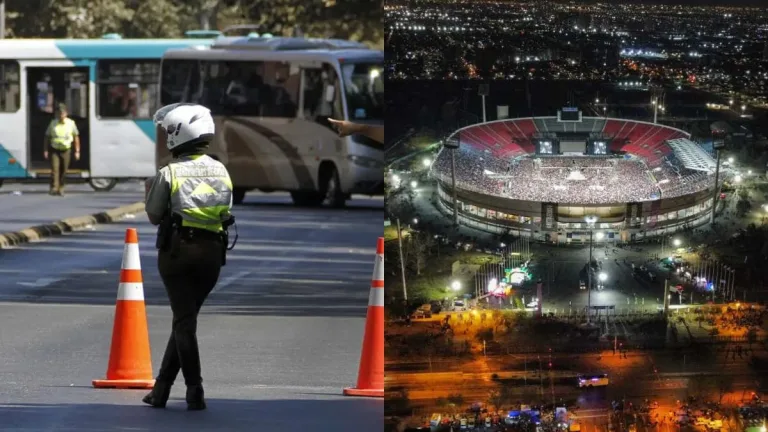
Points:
(427, 162)
(730, 160)
(602, 277)
(455, 285)
(675, 242)
(599, 236)
(414, 183)
(591, 222)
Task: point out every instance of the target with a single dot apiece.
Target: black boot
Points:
(159, 395)
(195, 398)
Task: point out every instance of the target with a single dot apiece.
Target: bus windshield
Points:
(364, 83)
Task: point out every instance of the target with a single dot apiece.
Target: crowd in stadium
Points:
(574, 180)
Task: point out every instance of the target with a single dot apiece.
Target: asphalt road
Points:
(280, 336)
(561, 271)
(663, 376)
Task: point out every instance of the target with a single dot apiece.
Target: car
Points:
(582, 285)
(533, 304)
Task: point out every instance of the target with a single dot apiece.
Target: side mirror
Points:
(330, 93)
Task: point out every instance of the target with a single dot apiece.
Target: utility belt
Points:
(189, 233)
(167, 241)
(61, 147)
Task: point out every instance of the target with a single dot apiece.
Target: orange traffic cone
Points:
(370, 378)
(130, 363)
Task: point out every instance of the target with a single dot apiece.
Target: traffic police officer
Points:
(61, 133)
(195, 191)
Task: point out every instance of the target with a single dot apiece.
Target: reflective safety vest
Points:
(62, 134)
(201, 192)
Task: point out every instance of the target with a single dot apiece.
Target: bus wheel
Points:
(102, 184)
(331, 187)
(238, 195)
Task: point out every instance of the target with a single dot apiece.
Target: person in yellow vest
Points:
(61, 134)
(190, 199)
(345, 128)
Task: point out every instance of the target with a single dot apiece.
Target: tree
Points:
(743, 206)
(420, 243)
(345, 19)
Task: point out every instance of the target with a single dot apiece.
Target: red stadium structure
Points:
(543, 177)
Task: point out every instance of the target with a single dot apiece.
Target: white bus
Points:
(110, 87)
(593, 380)
(270, 98)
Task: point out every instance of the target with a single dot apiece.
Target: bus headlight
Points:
(365, 161)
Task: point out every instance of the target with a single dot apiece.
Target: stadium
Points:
(555, 179)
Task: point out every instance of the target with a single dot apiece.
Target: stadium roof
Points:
(691, 155)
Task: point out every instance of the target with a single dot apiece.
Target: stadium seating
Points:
(510, 138)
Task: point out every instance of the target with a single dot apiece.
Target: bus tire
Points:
(330, 186)
(102, 184)
(238, 195)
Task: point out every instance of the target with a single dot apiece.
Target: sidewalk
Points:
(26, 205)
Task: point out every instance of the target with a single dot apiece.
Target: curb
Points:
(68, 225)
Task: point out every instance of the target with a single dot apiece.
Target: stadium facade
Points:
(673, 176)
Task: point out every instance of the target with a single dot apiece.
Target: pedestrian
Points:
(61, 134)
(346, 128)
(195, 192)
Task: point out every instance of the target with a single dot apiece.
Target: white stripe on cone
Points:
(131, 260)
(376, 297)
(135, 291)
(378, 268)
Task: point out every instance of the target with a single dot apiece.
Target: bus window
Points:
(128, 89)
(180, 81)
(10, 90)
(284, 81)
(317, 108)
(364, 85)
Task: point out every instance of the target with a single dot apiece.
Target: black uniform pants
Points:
(189, 274)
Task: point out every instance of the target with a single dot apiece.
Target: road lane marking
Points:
(229, 280)
(40, 283)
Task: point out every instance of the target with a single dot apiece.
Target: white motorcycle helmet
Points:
(185, 123)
